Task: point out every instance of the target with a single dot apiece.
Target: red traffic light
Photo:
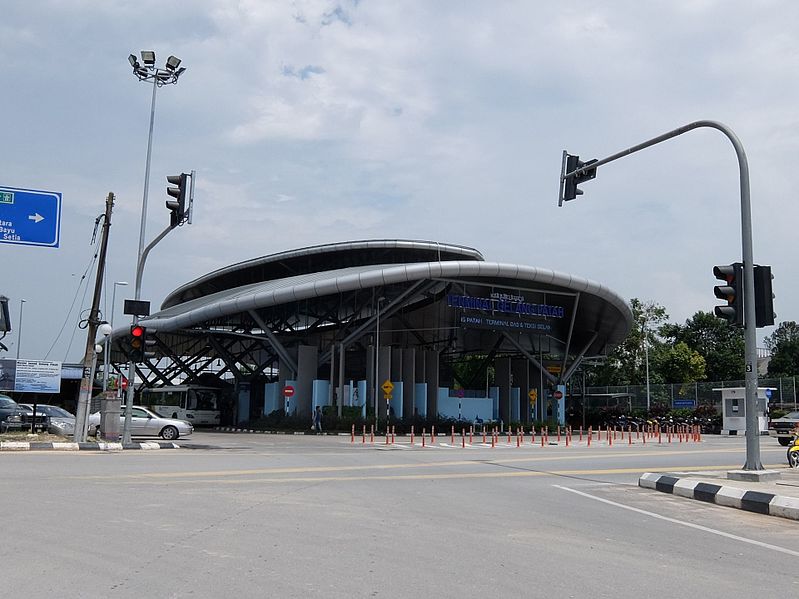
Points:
(137, 331)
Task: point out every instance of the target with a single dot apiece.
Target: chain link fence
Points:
(686, 395)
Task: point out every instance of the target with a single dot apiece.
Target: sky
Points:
(318, 121)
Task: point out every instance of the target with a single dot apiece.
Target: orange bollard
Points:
(610, 439)
(424, 433)
(493, 439)
(629, 436)
(590, 434)
(452, 435)
(471, 435)
(432, 435)
(352, 436)
(372, 434)
(532, 436)
(393, 432)
(518, 440)
(388, 434)
(363, 438)
(568, 437)
(581, 434)
(411, 434)
(463, 438)
(643, 437)
(484, 435)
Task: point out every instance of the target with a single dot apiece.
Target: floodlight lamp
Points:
(179, 72)
(172, 63)
(148, 57)
(133, 61)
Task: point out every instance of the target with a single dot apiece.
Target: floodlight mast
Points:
(147, 71)
(750, 354)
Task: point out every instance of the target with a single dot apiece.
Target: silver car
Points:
(60, 422)
(146, 423)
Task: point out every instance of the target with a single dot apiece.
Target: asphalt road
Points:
(301, 516)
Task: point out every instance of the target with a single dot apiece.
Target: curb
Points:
(100, 446)
(736, 497)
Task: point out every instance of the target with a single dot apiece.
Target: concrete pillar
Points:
(432, 377)
(520, 371)
(307, 365)
(408, 380)
(502, 380)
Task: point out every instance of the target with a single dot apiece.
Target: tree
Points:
(717, 341)
(678, 363)
(784, 346)
(626, 364)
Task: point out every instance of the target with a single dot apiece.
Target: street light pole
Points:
(646, 353)
(109, 338)
(19, 334)
(159, 77)
(588, 170)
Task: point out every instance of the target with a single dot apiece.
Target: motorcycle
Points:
(793, 452)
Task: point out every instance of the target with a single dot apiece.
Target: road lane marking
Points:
(714, 531)
(223, 477)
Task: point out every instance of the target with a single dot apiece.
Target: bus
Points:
(198, 405)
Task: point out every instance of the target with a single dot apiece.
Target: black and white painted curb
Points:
(743, 499)
(99, 446)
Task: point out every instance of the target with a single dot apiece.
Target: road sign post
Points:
(288, 392)
(30, 217)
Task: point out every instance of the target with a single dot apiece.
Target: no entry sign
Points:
(288, 391)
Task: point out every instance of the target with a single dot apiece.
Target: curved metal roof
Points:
(602, 310)
(316, 259)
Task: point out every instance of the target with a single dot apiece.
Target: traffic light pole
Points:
(131, 364)
(750, 357)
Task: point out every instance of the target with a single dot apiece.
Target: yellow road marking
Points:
(207, 477)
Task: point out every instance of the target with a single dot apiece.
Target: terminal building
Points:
(452, 334)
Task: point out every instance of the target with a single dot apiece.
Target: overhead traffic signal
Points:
(732, 291)
(177, 207)
(764, 297)
(569, 183)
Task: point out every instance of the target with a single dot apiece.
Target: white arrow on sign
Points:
(36, 217)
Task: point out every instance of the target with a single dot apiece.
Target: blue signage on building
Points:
(29, 217)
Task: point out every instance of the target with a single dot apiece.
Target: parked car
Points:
(146, 423)
(27, 416)
(783, 428)
(60, 422)
(10, 414)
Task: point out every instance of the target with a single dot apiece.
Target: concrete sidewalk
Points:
(774, 498)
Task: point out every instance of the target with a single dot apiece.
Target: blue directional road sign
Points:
(29, 217)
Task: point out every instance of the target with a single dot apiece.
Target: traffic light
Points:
(764, 297)
(177, 207)
(732, 291)
(137, 337)
(140, 344)
(569, 189)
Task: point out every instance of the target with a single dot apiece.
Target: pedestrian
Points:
(317, 420)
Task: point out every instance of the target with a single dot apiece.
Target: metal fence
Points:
(677, 395)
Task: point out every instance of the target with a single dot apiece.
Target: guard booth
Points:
(733, 409)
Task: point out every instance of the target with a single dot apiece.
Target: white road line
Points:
(683, 523)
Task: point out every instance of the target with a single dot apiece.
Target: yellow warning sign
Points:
(387, 387)
(533, 395)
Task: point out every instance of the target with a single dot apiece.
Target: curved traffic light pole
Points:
(750, 355)
(131, 364)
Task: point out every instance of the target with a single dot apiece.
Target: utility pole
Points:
(89, 358)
